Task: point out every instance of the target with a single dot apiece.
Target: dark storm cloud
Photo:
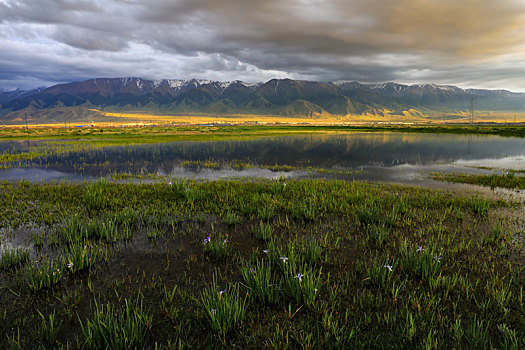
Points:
(460, 42)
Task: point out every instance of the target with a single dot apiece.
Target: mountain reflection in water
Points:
(343, 152)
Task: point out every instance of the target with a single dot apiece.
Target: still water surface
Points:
(387, 157)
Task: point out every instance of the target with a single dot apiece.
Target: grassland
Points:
(258, 264)
(112, 135)
(508, 180)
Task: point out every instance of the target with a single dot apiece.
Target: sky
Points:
(469, 43)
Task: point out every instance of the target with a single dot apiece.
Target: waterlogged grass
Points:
(216, 247)
(422, 262)
(223, 309)
(117, 328)
(256, 264)
(80, 258)
(241, 165)
(44, 153)
(261, 281)
(42, 275)
(13, 257)
(509, 180)
(302, 283)
(49, 329)
(263, 231)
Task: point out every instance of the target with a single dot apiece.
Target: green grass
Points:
(368, 213)
(261, 281)
(195, 133)
(508, 180)
(13, 257)
(351, 276)
(96, 195)
(80, 257)
(310, 251)
(49, 329)
(104, 229)
(377, 234)
(422, 262)
(216, 247)
(42, 275)
(380, 270)
(263, 231)
(117, 328)
(73, 230)
(231, 219)
(302, 284)
(223, 309)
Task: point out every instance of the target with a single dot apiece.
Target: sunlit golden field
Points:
(409, 117)
(138, 118)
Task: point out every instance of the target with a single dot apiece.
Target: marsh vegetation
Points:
(510, 179)
(140, 258)
(251, 264)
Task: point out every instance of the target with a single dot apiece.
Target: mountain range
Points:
(279, 97)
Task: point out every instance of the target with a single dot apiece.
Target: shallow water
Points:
(384, 156)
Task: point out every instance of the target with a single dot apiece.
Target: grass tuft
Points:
(42, 275)
(13, 257)
(264, 231)
(377, 234)
(95, 196)
(216, 248)
(302, 284)
(79, 258)
(223, 309)
(422, 262)
(261, 281)
(231, 219)
(117, 328)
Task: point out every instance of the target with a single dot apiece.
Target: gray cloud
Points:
(470, 43)
(89, 39)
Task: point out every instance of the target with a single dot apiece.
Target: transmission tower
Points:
(471, 112)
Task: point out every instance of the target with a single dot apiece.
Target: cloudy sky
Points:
(470, 43)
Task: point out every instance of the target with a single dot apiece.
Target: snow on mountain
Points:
(125, 81)
(417, 89)
(449, 88)
(175, 84)
(178, 84)
(389, 88)
(224, 84)
(250, 85)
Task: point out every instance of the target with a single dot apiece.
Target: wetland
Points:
(258, 239)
